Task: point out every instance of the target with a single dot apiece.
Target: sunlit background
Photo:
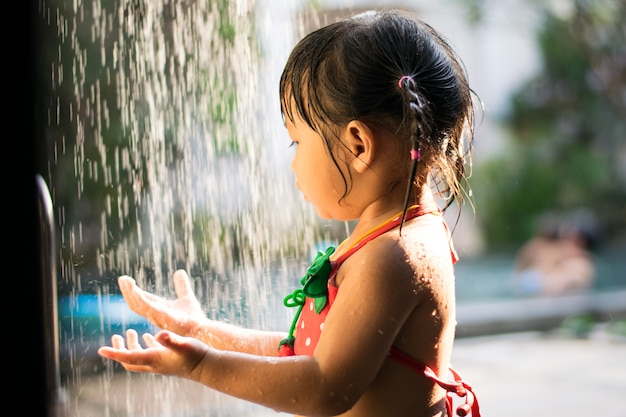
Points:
(159, 145)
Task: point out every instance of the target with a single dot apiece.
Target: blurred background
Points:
(159, 145)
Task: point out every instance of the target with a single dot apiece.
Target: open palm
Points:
(183, 315)
(165, 353)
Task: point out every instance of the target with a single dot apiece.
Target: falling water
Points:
(164, 149)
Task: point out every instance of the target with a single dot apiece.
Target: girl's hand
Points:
(183, 315)
(165, 353)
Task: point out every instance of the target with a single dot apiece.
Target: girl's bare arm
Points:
(184, 316)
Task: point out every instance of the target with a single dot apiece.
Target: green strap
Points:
(314, 285)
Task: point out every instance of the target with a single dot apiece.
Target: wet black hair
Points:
(392, 70)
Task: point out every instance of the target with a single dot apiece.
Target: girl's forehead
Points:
(291, 116)
(297, 125)
(291, 120)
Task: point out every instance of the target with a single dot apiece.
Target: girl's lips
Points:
(301, 192)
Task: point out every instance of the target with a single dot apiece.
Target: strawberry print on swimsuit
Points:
(314, 293)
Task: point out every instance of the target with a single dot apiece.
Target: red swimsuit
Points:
(310, 319)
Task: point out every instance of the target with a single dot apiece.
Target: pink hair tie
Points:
(415, 154)
(404, 77)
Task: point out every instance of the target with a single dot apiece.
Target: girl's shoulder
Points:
(423, 238)
(424, 245)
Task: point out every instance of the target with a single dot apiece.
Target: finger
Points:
(182, 284)
(126, 283)
(135, 297)
(166, 338)
(117, 342)
(150, 340)
(176, 342)
(132, 340)
(129, 287)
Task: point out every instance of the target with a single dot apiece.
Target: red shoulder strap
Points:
(412, 212)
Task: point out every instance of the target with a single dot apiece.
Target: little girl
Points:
(380, 115)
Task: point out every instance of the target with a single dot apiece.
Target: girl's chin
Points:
(323, 214)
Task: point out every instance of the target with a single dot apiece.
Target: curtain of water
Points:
(163, 151)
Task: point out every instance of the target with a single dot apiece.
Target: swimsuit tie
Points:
(458, 387)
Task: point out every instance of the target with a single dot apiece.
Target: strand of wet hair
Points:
(417, 111)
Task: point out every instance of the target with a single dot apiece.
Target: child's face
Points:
(317, 177)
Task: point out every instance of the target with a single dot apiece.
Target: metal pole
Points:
(49, 297)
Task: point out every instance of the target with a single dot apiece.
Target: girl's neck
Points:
(379, 212)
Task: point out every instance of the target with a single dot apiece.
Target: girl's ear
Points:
(359, 138)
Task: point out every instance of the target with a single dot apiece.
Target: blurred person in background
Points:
(558, 260)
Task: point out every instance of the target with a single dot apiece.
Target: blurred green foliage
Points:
(567, 127)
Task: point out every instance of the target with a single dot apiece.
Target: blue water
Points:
(489, 277)
(87, 321)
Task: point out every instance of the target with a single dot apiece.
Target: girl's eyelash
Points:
(292, 144)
